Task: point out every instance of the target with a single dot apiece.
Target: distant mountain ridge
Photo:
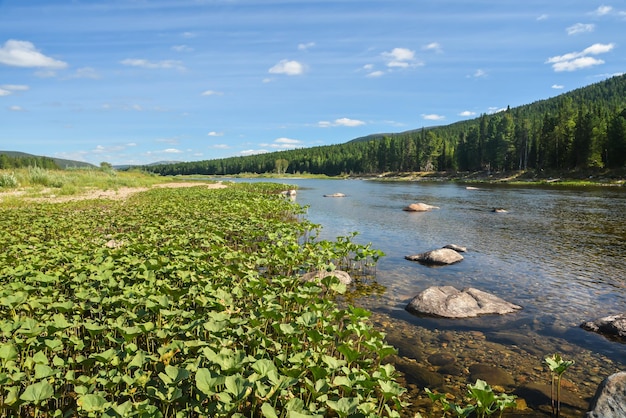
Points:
(61, 162)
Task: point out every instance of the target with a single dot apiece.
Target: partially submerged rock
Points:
(335, 195)
(419, 207)
(456, 248)
(613, 326)
(440, 256)
(610, 398)
(449, 302)
(316, 276)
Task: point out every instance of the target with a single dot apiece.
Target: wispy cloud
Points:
(17, 53)
(433, 46)
(214, 133)
(282, 143)
(288, 67)
(341, 122)
(580, 28)
(8, 89)
(182, 48)
(578, 60)
(85, 72)
(212, 93)
(467, 113)
(306, 46)
(603, 10)
(143, 63)
(16, 109)
(479, 73)
(433, 116)
(542, 17)
(558, 86)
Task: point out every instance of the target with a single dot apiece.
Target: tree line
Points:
(8, 161)
(585, 128)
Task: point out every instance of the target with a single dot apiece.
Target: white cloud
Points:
(213, 133)
(212, 93)
(375, 74)
(603, 10)
(142, 63)
(558, 86)
(24, 54)
(287, 67)
(400, 58)
(172, 151)
(253, 151)
(16, 109)
(341, 122)
(580, 28)
(433, 46)
(182, 48)
(304, 47)
(542, 17)
(480, 73)
(467, 113)
(285, 143)
(433, 116)
(85, 72)
(15, 87)
(188, 35)
(577, 60)
(220, 146)
(4, 92)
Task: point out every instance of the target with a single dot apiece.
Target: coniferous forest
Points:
(581, 129)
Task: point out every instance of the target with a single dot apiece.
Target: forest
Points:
(581, 129)
(17, 160)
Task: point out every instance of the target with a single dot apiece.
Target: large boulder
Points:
(449, 302)
(610, 398)
(317, 276)
(419, 207)
(613, 326)
(440, 256)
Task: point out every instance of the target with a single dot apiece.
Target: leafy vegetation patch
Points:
(182, 303)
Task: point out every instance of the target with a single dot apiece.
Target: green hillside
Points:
(578, 130)
(16, 159)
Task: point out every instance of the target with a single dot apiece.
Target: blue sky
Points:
(139, 81)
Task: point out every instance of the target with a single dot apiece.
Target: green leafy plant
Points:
(183, 302)
(557, 366)
(481, 401)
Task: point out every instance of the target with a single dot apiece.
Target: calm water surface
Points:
(558, 252)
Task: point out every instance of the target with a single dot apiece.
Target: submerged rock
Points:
(335, 195)
(613, 326)
(441, 256)
(419, 207)
(320, 274)
(610, 398)
(449, 302)
(456, 248)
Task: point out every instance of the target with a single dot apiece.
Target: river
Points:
(558, 252)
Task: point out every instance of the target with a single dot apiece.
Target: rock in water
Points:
(610, 398)
(613, 326)
(449, 302)
(343, 276)
(419, 207)
(441, 256)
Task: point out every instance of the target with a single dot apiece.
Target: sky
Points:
(141, 81)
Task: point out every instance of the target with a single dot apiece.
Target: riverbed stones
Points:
(440, 256)
(419, 207)
(613, 326)
(449, 302)
(317, 276)
(493, 375)
(610, 398)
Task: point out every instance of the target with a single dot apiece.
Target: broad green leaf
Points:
(91, 403)
(38, 392)
(42, 371)
(8, 352)
(268, 410)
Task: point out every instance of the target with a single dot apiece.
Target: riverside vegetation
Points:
(179, 303)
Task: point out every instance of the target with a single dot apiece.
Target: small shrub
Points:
(8, 181)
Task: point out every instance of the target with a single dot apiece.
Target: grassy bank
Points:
(182, 302)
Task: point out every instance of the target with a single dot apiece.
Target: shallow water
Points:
(560, 253)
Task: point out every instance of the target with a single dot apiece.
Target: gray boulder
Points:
(449, 302)
(441, 256)
(316, 276)
(456, 248)
(419, 207)
(613, 326)
(610, 398)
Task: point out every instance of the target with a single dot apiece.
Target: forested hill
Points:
(584, 128)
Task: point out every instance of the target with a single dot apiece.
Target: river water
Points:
(558, 252)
